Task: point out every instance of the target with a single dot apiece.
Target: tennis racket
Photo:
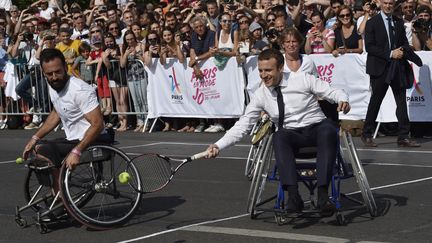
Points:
(156, 170)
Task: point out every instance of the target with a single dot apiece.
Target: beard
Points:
(59, 84)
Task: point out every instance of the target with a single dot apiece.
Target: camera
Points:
(50, 37)
(271, 33)
(103, 8)
(421, 25)
(183, 37)
(28, 36)
(153, 42)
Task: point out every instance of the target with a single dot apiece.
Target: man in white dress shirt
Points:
(302, 124)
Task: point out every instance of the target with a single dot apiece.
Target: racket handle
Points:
(199, 155)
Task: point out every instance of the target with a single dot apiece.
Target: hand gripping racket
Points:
(156, 170)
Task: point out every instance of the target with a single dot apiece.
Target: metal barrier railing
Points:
(121, 89)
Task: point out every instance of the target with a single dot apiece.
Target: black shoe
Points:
(325, 207)
(294, 204)
(406, 142)
(368, 142)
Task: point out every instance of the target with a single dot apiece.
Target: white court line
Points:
(266, 234)
(243, 215)
(7, 162)
(396, 150)
(142, 145)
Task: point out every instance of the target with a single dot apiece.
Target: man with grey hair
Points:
(202, 43)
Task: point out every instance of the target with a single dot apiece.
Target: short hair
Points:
(318, 13)
(84, 47)
(50, 54)
(198, 18)
(65, 30)
(279, 10)
(170, 15)
(293, 32)
(272, 53)
(341, 2)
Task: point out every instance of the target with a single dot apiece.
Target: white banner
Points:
(174, 91)
(346, 72)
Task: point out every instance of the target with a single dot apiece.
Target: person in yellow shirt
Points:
(68, 47)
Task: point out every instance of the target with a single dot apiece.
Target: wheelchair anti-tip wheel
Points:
(260, 175)
(360, 175)
(92, 193)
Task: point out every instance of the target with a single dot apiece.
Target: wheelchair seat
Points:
(347, 165)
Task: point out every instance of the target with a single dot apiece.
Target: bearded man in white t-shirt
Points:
(76, 106)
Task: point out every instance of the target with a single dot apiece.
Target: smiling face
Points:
(345, 16)
(387, 6)
(270, 73)
(291, 45)
(167, 36)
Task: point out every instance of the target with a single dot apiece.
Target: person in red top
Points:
(101, 76)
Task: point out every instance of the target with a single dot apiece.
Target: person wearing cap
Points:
(258, 43)
(422, 31)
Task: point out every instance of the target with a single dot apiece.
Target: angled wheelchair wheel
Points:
(262, 128)
(359, 174)
(92, 193)
(260, 175)
(34, 190)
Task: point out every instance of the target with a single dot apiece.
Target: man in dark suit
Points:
(385, 41)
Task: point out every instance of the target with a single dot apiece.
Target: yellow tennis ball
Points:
(19, 160)
(124, 177)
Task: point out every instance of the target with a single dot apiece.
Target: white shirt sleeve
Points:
(244, 124)
(323, 90)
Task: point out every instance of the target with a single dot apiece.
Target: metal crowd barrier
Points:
(33, 98)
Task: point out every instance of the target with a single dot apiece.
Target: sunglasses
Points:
(2, 23)
(95, 31)
(77, 17)
(226, 21)
(243, 22)
(344, 15)
(271, 20)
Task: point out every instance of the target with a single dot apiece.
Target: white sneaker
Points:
(215, 128)
(199, 128)
(31, 126)
(209, 129)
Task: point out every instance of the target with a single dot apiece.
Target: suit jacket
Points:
(400, 74)
(377, 43)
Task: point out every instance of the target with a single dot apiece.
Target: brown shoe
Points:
(406, 142)
(368, 142)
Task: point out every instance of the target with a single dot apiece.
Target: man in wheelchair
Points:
(290, 99)
(75, 104)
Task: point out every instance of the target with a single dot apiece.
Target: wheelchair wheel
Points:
(360, 175)
(251, 160)
(92, 193)
(260, 175)
(33, 187)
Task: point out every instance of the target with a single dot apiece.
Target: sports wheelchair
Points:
(260, 168)
(90, 194)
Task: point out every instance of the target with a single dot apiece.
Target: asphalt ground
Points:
(206, 201)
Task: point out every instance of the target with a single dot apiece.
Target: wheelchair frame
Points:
(90, 193)
(263, 172)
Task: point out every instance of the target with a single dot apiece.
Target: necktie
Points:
(281, 107)
(391, 34)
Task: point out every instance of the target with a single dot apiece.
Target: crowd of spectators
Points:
(109, 36)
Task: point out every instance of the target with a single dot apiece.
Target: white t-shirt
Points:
(75, 100)
(307, 66)
(46, 14)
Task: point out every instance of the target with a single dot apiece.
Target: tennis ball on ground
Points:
(124, 177)
(19, 160)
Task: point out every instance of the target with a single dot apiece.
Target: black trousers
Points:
(379, 90)
(57, 149)
(286, 142)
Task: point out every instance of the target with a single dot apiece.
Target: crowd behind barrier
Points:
(198, 34)
(174, 91)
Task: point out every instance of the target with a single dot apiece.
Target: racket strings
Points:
(155, 171)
